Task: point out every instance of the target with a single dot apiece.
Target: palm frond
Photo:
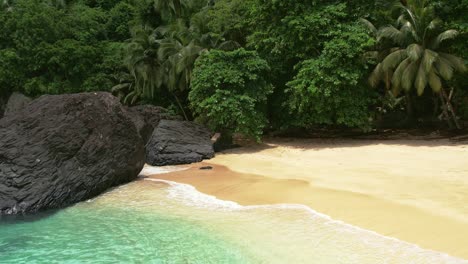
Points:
(369, 26)
(458, 64)
(446, 35)
(391, 33)
(444, 68)
(393, 60)
(376, 76)
(434, 24)
(120, 87)
(415, 51)
(401, 20)
(420, 82)
(408, 13)
(409, 75)
(429, 58)
(434, 82)
(398, 75)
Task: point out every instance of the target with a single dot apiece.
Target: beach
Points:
(412, 190)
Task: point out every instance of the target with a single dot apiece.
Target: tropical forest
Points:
(234, 131)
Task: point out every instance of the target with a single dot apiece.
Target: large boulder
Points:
(147, 118)
(64, 149)
(16, 102)
(178, 142)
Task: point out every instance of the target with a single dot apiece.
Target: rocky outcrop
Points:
(16, 102)
(147, 118)
(63, 149)
(178, 142)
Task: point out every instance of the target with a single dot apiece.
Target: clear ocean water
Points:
(152, 221)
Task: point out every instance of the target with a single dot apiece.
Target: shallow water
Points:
(154, 221)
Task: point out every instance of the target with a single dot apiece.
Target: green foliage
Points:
(453, 14)
(161, 60)
(119, 21)
(289, 34)
(330, 89)
(416, 60)
(149, 52)
(229, 91)
(230, 19)
(10, 73)
(50, 49)
(293, 29)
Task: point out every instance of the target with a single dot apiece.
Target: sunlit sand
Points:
(415, 191)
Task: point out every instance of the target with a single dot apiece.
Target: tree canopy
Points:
(279, 64)
(229, 91)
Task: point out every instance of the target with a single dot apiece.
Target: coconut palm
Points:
(171, 9)
(165, 57)
(416, 60)
(180, 46)
(143, 64)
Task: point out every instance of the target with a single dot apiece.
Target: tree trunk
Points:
(449, 108)
(445, 110)
(409, 110)
(180, 106)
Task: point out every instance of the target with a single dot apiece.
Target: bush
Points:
(229, 91)
(331, 89)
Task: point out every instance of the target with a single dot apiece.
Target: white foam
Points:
(189, 195)
(154, 170)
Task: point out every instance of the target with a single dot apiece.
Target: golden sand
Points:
(416, 191)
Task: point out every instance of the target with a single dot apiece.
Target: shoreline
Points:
(241, 182)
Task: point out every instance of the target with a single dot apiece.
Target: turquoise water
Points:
(165, 222)
(99, 232)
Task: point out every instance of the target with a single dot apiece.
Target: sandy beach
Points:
(416, 191)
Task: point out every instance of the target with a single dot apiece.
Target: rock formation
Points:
(16, 102)
(147, 118)
(178, 142)
(63, 149)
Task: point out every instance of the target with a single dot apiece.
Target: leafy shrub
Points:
(331, 89)
(229, 91)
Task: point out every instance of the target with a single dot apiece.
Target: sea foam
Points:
(154, 170)
(190, 196)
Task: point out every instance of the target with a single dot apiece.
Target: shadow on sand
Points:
(434, 139)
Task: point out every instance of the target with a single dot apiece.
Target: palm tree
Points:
(179, 47)
(171, 9)
(144, 66)
(416, 60)
(164, 57)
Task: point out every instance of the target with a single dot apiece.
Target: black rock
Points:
(178, 142)
(147, 118)
(16, 102)
(206, 168)
(64, 149)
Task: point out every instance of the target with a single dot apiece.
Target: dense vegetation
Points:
(248, 66)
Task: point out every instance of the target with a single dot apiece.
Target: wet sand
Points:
(416, 191)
